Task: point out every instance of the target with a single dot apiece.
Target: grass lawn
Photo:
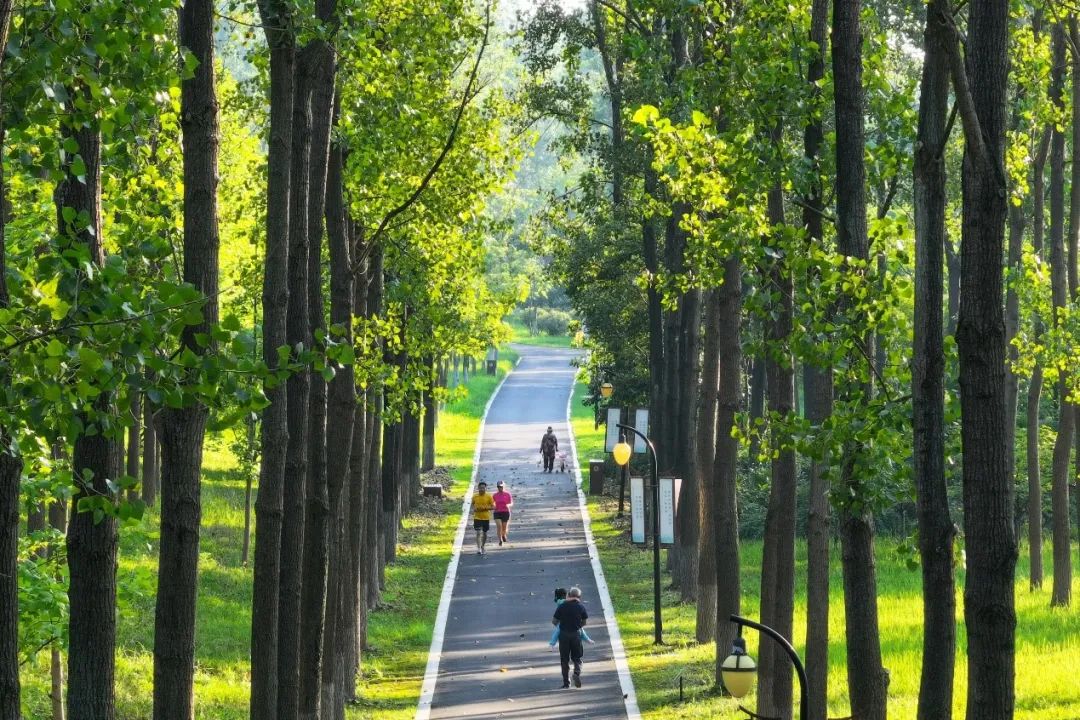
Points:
(399, 630)
(523, 336)
(1048, 641)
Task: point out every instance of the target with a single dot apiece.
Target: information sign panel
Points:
(637, 510)
(669, 506)
(614, 417)
(641, 424)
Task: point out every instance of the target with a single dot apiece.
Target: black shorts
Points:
(483, 525)
(504, 516)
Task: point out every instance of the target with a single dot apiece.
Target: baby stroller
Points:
(560, 458)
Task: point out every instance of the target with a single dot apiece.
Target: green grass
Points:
(1048, 641)
(523, 336)
(399, 630)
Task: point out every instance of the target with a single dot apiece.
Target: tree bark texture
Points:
(1035, 386)
(705, 627)
(391, 494)
(610, 59)
(778, 553)
(183, 429)
(1059, 491)
(276, 18)
(867, 679)
(10, 476)
(725, 468)
(431, 419)
(98, 457)
(134, 442)
(656, 316)
(989, 605)
(758, 381)
(150, 466)
(817, 387)
(373, 517)
(340, 433)
(321, 67)
(936, 529)
(297, 455)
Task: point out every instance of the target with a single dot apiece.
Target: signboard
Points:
(637, 510)
(641, 424)
(669, 505)
(614, 417)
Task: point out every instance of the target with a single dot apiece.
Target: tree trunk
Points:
(321, 66)
(341, 434)
(245, 548)
(705, 628)
(277, 21)
(431, 415)
(989, 605)
(725, 469)
(778, 553)
(867, 679)
(10, 476)
(410, 460)
(297, 458)
(1059, 281)
(391, 493)
(98, 458)
(817, 388)
(936, 529)
(183, 429)
(134, 442)
(689, 511)
(758, 380)
(656, 317)
(612, 65)
(150, 468)
(1035, 385)
(58, 521)
(376, 557)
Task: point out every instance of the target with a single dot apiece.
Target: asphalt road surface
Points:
(495, 659)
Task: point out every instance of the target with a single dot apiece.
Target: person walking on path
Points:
(570, 617)
(560, 598)
(482, 504)
(549, 445)
(503, 502)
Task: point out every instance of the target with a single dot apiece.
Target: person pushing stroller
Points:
(549, 445)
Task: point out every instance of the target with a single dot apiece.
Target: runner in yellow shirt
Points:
(482, 503)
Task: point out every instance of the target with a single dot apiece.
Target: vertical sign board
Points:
(637, 510)
(641, 424)
(669, 505)
(614, 417)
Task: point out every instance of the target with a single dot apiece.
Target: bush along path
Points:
(490, 657)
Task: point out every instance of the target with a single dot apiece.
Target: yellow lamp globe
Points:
(622, 452)
(606, 389)
(739, 670)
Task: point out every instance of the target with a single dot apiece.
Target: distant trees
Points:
(731, 168)
(131, 297)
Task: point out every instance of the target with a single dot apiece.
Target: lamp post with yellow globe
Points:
(738, 671)
(622, 452)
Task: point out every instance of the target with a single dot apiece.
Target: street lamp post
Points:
(622, 457)
(737, 670)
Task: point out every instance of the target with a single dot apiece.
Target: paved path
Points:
(495, 661)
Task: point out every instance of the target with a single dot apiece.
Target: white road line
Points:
(617, 650)
(431, 673)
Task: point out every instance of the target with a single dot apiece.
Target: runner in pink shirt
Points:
(503, 503)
